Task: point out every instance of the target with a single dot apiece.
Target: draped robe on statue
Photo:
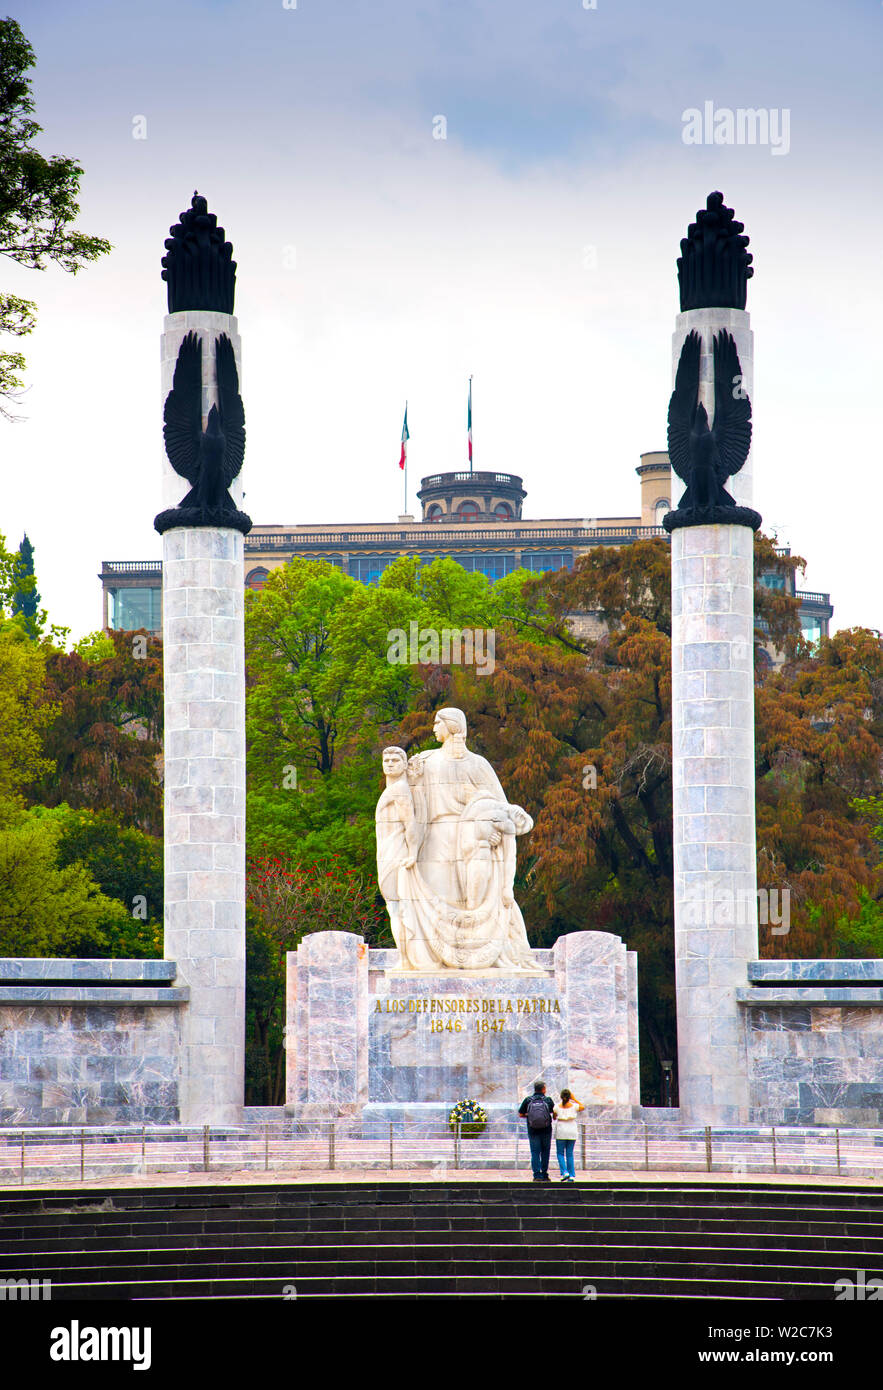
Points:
(454, 908)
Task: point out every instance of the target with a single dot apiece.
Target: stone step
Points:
(454, 1285)
(525, 1193)
(506, 1240)
(540, 1229)
(375, 1256)
(866, 1242)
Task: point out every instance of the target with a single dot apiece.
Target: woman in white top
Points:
(565, 1113)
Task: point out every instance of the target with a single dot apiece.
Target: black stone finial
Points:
(714, 268)
(198, 266)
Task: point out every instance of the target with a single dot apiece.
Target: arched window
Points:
(663, 507)
(434, 513)
(503, 512)
(256, 579)
(468, 511)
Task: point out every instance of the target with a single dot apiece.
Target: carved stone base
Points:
(196, 516)
(365, 1038)
(712, 516)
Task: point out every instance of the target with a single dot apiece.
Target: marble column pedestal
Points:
(369, 1041)
(204, 666)
(714, 822)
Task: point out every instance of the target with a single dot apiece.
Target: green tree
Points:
(24, 713)
(127, 866)
(327, 687)
(25, 599)
(38, 201)
(858, 933)
(47, 910)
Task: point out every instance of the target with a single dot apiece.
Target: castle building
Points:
(476, 518)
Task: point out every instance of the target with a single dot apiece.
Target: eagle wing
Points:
(682, 406)
(182, 413)
(732, 408)
(231, 410)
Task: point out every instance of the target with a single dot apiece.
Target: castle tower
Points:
(715, 887)
(203, 660)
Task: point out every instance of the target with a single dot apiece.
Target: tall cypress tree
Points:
(24, 595)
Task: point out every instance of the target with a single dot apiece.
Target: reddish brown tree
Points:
(579, 729)
(105, 739)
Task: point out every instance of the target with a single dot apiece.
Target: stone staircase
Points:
(437, 1240)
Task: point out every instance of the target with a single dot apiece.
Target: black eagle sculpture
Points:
(208, 458)
(704, 458)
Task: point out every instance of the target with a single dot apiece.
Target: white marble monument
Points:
(446, 858)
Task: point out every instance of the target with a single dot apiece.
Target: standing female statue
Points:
(446, 858)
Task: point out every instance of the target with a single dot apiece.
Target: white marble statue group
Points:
(446, 857)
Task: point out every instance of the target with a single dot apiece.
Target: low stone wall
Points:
(89, 1042)
(814, 1042)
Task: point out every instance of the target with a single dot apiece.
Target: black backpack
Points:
(538, 1113)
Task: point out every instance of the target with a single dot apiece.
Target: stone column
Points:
(204, 665)
(714, 825)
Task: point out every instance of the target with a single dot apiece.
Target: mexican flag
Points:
(403, 457)
(469, 424)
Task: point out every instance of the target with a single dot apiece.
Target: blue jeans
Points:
(540, 1141)
(564, 1149)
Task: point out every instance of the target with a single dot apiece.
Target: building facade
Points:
(474, 518)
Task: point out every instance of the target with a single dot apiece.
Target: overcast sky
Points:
(533, 247)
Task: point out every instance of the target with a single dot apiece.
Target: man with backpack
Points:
(537, 1110)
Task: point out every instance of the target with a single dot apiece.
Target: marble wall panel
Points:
(91, 1064)
(815, 1065)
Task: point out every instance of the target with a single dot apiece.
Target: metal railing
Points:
(132, 566)
(89, 1156)
(437, 534)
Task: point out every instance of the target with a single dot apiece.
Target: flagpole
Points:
(405, 507)
(471, 445)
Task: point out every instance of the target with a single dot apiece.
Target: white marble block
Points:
(204, 664)
(715, 880)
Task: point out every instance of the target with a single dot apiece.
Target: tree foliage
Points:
(104, 737)
(286, 901)
(47, 909)
(127, 866)
(38, 201)
(324, 697)
(25, 599)
(24, 712)
(819, 736)
(579, 729)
